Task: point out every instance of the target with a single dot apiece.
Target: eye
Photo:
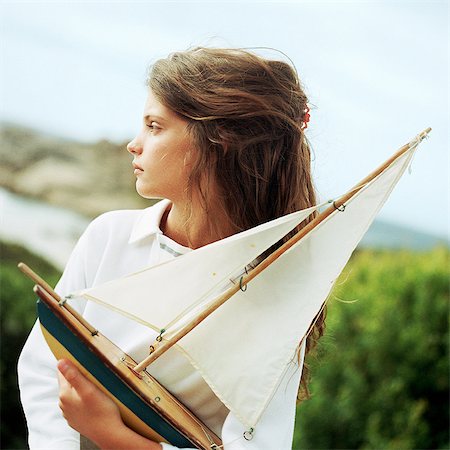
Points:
(153, 126)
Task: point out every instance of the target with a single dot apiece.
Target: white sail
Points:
(157, 295)
(279, 305)
(274, 312)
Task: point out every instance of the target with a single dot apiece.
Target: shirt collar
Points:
(148, 222)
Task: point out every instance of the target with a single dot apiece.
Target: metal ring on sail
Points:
(339, 208)
(248, 435)
(242, 287)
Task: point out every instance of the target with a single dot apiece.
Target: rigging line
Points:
(213, 445)
(179, 321)
(228, 443)
(171, 326)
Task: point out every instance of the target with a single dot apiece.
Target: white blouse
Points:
(115, 244)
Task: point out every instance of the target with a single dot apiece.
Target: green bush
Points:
(380, 378)
(18, 313)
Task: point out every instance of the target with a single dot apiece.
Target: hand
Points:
(85, 407)
(93, 414)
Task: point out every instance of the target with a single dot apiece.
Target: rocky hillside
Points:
(87, 178)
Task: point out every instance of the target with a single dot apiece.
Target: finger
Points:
(73, 376)
(63, 383)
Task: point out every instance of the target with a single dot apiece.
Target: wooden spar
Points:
(37, 279)
(162, 346)
(47, 288)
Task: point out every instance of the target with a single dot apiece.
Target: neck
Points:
(195, 230)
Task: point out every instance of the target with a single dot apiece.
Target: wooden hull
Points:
(145, 405)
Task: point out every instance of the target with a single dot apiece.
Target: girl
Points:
(222, 143)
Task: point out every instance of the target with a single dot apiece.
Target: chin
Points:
(145, 195)
(142, 191)
(148, 194)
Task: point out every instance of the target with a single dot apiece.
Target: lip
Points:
(137, 169)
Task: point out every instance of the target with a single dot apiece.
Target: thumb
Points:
(73, 376)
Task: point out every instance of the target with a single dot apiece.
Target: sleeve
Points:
(38, 384)
(275, 429)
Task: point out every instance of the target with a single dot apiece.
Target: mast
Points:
(159, 346)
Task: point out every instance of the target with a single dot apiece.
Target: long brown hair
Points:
(245, 116)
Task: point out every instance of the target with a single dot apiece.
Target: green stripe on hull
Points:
(107, 378)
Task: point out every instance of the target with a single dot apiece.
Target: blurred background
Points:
(72, 89)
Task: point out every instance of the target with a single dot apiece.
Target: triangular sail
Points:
(280, 305)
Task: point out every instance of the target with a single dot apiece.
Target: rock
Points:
(88, 178)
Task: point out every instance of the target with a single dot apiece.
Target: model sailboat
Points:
(284, 292)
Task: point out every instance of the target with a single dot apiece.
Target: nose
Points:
(134, 146)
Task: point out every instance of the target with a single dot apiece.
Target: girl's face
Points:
(162, 152)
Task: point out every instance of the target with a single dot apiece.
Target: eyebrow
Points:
(154, 117)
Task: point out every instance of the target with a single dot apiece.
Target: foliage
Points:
(16, 319)
(380, 378)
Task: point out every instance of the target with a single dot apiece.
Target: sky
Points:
(376, 74)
